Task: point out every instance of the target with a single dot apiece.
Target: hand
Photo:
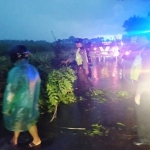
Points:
(137, 99)
(64, 62)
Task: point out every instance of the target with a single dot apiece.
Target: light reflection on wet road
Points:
(85, 113)
(105, 75)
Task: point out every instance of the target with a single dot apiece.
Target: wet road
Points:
(105, 75)
(70, 130)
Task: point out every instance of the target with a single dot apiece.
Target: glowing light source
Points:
(116, 53)
(95, 48)
(127, 53)
(139, 32)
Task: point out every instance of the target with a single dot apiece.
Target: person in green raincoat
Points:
(20, 101)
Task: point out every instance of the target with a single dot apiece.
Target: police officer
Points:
(80, 56)
(142, 97)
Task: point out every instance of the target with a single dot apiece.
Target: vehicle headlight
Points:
(95, 48)
(127, 53)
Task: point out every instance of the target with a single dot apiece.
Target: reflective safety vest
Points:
(78, 57)
(136, 68)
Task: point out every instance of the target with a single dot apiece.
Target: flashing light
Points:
(116, 54)
(127, 53)
(95, 48)
(139, 32)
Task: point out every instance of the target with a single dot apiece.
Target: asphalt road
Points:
(88, 124)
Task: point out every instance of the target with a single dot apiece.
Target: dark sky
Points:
(35, 19)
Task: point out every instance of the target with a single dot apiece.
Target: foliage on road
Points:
(118, 95)
(97, 95)
(97, 129)
(59, 89)
(60, 86)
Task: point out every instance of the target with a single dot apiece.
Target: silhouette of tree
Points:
(136, 23)
(72, 38)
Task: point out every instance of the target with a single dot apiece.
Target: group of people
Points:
(20, 102)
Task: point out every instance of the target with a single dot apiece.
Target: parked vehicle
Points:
(105, 50)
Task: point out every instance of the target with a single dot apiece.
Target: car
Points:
(105, 50)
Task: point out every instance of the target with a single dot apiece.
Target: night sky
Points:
(35, 19)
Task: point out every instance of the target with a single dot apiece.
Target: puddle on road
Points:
(106, 75)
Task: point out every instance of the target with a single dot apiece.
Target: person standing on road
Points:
(20, 102)
(80, 56)
(142, 97)
(88, 49)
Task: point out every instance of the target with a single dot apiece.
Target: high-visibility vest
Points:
(78, 57)
(136, 68)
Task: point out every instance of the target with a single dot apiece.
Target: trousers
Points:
(143, 117)
(83, 82)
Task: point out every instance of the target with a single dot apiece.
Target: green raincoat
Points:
(20, 103)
